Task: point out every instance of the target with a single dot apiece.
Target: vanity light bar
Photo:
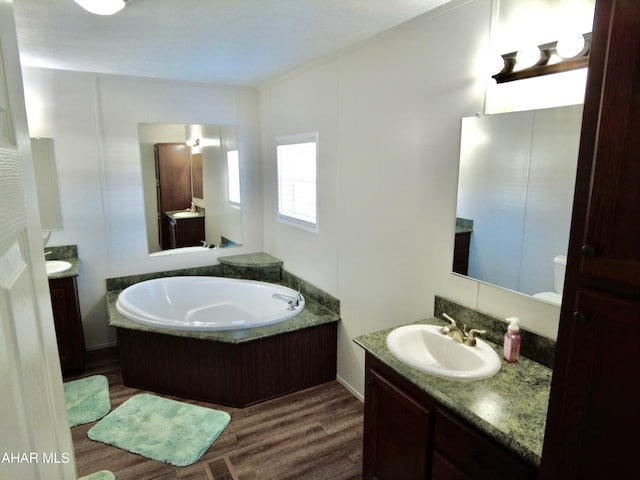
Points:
(549, 62)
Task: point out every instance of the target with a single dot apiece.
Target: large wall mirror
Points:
(46, 173)
(515, 196)
(191, 177)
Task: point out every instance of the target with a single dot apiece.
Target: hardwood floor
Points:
(312, 434)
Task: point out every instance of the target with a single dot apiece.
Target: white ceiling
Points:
(241, 42)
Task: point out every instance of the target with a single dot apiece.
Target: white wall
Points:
(389, 115)
(93, 120)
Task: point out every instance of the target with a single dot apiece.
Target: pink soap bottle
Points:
(512, 340)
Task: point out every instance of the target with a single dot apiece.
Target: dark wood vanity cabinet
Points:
(68, 323)
(461, 253)
(186, 232)
(397, 429)
(461, 451)
(409, 436)
(591, 428)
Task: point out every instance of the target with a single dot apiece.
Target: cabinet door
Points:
(68, 323)
(397, 432)
(443, 469)
(594, 419)
(189, 232)
(610, 158)
(62, 320)
(173, 183)
(461, 253)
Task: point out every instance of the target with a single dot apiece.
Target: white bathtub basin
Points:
(207, 303)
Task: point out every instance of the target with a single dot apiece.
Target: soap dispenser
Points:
(512, 340)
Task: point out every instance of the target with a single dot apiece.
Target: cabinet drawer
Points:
(475, 454)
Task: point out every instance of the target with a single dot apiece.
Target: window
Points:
(297, 172)
(233, 174)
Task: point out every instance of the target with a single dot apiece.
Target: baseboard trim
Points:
(352, 390)
(101, 346)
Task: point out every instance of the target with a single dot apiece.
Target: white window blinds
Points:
(297, 175)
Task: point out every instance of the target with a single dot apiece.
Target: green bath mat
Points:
(161, 429)
(101, 475)
(87, 399)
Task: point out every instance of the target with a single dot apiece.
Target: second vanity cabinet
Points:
(68, 323)
(461, 250)
(186, 232)
(408, 435)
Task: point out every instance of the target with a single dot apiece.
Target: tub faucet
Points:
(293, 302)
(460, 335)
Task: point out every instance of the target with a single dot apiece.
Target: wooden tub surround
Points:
(236, 375)
(235, 368)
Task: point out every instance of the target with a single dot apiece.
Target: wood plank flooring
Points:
(313, 434)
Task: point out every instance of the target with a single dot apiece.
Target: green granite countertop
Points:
(510, 407)
(464, 225)
(72, 272)
(312, 315)
(463, 229)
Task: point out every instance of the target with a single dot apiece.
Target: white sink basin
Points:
(423, 347)
(57, 266)
(185, 215)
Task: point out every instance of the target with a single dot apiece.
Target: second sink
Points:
(57, 266)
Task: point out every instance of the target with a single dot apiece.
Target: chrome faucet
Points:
(293, 302)
(460, 335)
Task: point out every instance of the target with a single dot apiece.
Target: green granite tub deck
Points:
(510, 407)
(252, 266)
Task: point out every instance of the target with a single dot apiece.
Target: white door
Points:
(35, 440)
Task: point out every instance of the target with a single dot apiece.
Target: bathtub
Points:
(208, 303)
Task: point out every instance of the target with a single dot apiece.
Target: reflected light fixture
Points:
(555, 57)
(102, 7)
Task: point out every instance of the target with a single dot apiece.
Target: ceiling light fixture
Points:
(102, 7)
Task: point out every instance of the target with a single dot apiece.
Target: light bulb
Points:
(498, 64)
(571, 46)
(527, 57)
(102, 7)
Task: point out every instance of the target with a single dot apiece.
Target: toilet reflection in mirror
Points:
(191, 184)
(559, 266)
(516, 181)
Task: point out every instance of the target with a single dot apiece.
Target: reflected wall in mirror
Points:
(46, 173)
(191, 186)
(515, 195)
